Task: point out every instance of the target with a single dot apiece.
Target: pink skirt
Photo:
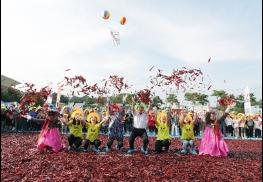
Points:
(213, 145)
(50, 138)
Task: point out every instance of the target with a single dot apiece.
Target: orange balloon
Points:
(123, 21)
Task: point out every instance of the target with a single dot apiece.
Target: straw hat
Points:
(77, 111)
(93, 114)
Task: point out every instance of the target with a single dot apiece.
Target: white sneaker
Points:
(183, 151)
(144, 151)
(193, 152)
(130, 151)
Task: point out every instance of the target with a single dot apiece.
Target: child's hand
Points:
(28, 117)
(124, 98)
(133, 99)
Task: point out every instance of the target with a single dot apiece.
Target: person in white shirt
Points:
(258, 126)
(229, 125)
(236, 126)
(140, 124)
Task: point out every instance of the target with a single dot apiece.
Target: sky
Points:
(40, 39)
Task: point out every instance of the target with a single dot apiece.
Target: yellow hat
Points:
(106, 113)
(77, 111)
(240, 115)
(189, 116)
(92, 115)
(232, 115)
(250, 115)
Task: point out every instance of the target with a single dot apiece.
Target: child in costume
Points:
(75, 124)
(213, 142)
(66, 114)
(163, 136)
(49, 136)
(93, 127)
(116, 126)
(187, 127)
(151, 122)
(140, 124)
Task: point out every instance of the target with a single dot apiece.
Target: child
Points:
(93, 127)
(128, 118)
(49, 136)
(163, 136)
(116, 127)
(151, 122)
(213, 141)
(140, 124)
(66, 114)
(75, 124)
(187, 126)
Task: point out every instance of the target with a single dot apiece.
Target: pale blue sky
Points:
(42, 38)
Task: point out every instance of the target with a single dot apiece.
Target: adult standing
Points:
(250, 126)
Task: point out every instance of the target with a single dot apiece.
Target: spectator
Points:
(242, 125)
(9, 119)
(258, 127)
(3, 117)
(222, 123)
(236, 126)
(250, 126)
(33, 114)
(229, 125)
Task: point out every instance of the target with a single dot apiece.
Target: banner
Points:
(247, 104)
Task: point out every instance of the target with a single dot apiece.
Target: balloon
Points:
(106, 15)
(123, 21)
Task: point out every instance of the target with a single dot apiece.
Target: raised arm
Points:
(103, 120)
(35, 120)
(194, 118)
(149, 107)
(83, 122)
(64, 120)
(181, 120)
(133, 100)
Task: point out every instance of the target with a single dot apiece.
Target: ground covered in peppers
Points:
(21, 161)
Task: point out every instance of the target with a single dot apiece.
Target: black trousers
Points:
(196, 130)
(250, 131)
(96, 143)
(257, 133)
(152, 128)
(127, 126)
(72, 140)
(160, 144)
(229, 129)
(138, 133)
(118, 139)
